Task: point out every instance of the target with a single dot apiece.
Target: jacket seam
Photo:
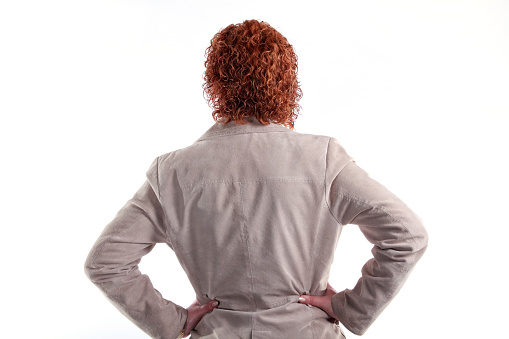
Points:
(229, 182)
(325, 182)
(312, 318)
(247, 252)
(168, 239)
(157, 179)
(246, 131)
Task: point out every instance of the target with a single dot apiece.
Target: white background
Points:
(92, 91)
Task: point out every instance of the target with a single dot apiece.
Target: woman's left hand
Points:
(324, 301)
(195, 312)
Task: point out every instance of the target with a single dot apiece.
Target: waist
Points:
(250, 302)
(291, 320)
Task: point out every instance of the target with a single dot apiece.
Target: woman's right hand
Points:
(195, 312)
(323, 302)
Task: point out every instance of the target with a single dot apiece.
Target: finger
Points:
(308, 299)
(320, 302)
(196, 313)
(208, 307)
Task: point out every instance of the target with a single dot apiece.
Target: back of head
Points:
(251, 70)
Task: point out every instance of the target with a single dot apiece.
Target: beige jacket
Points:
(253, 213)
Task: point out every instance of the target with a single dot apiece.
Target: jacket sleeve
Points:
(112, 263)
(397, 233)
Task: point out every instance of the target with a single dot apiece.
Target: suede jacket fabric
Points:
(253, 213)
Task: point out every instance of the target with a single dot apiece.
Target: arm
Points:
(112, 264)
(397, 233)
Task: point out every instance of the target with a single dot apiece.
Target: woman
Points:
(253, 211)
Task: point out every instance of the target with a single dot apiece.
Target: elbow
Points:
(88, 269)
(421, 237)
(425, 238)
(100, 267)
(420, 241)
(417, 233)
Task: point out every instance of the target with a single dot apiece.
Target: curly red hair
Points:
(251, 70)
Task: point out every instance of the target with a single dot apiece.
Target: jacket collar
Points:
(231, 128)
